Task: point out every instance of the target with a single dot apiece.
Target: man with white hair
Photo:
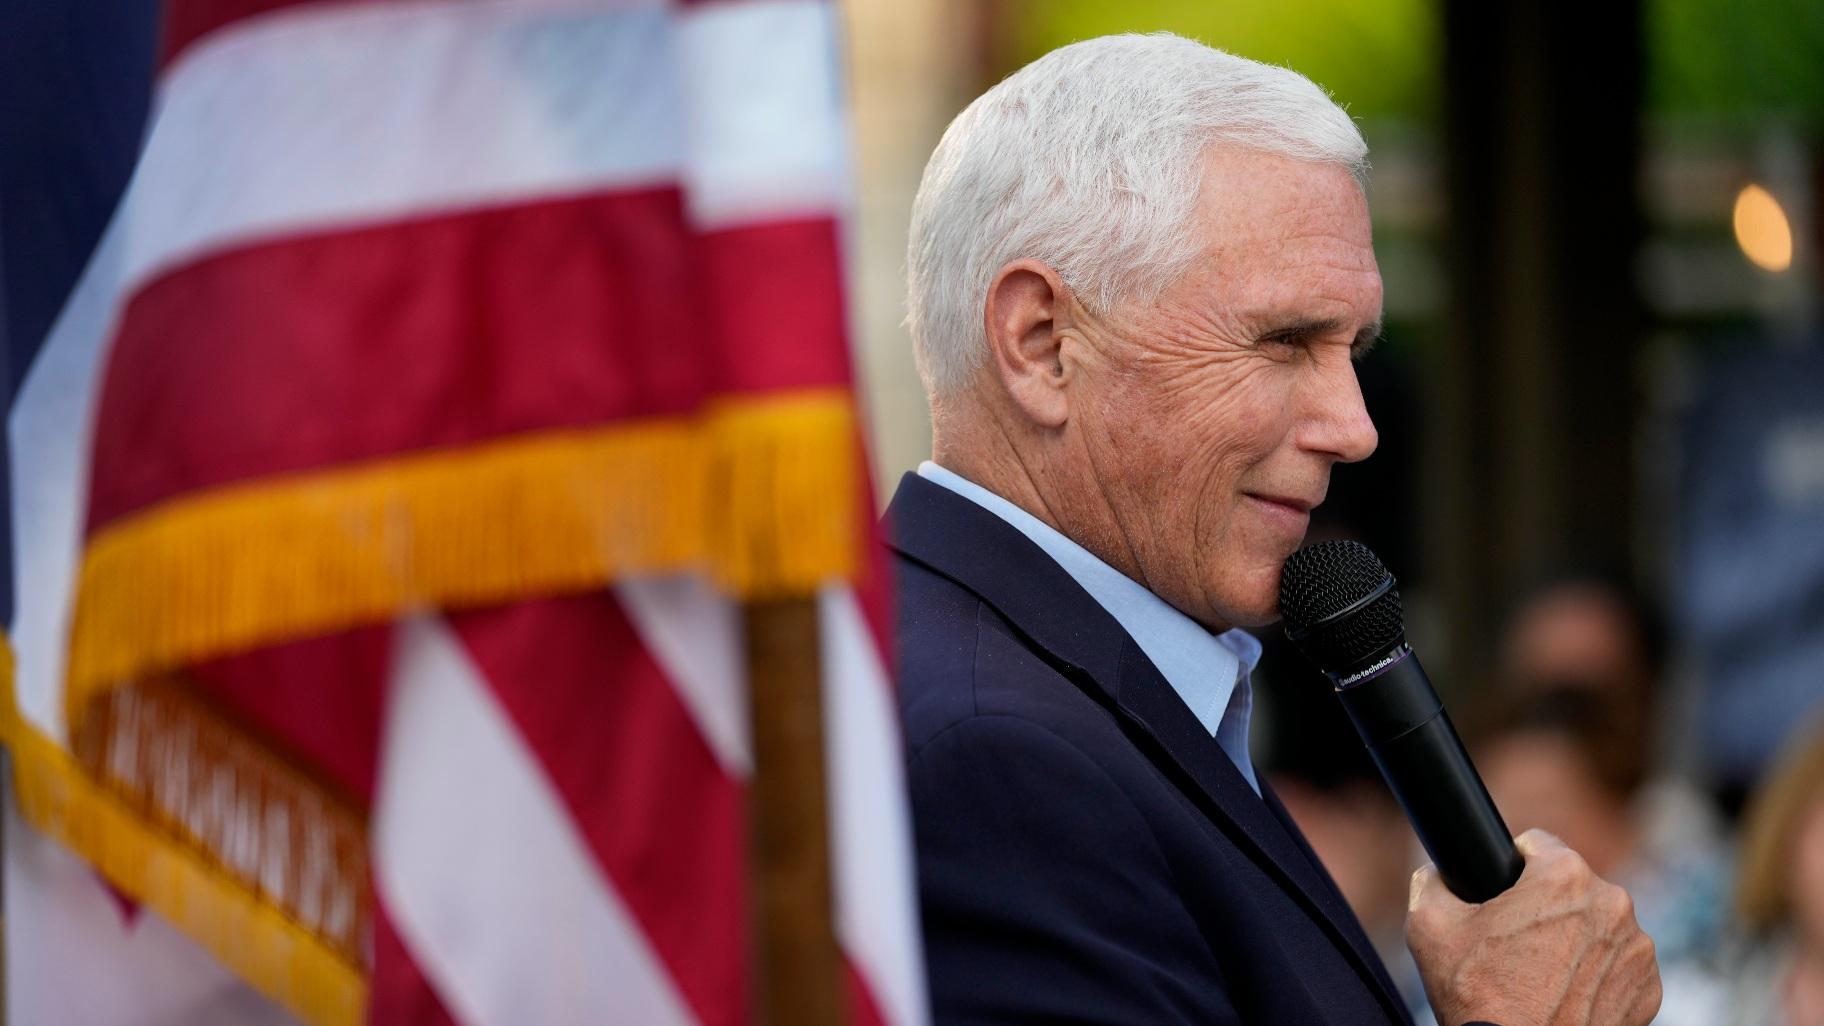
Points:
(1139, 272)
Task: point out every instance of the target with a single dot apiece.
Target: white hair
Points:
(1089, 159)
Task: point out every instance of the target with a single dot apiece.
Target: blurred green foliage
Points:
(1736, 60)
(1379, 58)
(1722, 59)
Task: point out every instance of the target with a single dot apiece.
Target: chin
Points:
(1250, 598)
(1255, 617)
(1255, 605)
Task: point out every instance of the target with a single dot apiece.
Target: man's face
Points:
(1211, 417)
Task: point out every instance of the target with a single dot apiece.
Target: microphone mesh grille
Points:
(1322, 580)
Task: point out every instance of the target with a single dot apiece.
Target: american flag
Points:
(383, 491)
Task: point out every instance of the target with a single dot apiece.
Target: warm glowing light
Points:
(1761, 229)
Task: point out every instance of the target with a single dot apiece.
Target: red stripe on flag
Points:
(313, 351)
(863, 1011)
(320, 700)
(648, 795)
(187, 21)
(874, 586)
(774, 303)
(398, 994)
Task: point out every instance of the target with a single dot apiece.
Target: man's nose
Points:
(1337, 421)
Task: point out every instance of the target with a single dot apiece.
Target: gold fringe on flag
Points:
(761, 494)
(242, 925)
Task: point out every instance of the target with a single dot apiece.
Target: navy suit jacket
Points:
(1086, 851)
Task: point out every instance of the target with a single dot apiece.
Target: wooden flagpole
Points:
(796, 977)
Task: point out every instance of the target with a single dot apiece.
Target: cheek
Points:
(1240, 553)
(1243, 408)
(1220, 441)
(1180, 456)
(1189, 451)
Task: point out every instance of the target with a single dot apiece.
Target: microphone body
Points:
(1409, 735)
(1342, 610)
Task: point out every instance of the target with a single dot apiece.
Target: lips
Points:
(1287, 515)
(1292, 503)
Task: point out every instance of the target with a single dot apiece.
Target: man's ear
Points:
(1026, 304)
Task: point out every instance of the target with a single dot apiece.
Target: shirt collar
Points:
(1208, 671)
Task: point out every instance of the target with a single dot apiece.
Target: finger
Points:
(1647, 1001)
(1537, 842)
(1651, 1000)
(1420, 878)
(1429, 892)
(1428, 912)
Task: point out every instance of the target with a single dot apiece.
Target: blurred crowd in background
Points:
(1601, 404)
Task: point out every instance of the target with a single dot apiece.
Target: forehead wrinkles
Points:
(1313, 284)
(1288, 260)
(1240, 187)
(1295, 261)
(1265, 250)
(1251, 202)
(1335, 237)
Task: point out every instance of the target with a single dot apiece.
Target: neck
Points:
(967, 440)
(1036, 470)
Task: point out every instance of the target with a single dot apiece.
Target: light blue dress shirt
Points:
(1209, 671)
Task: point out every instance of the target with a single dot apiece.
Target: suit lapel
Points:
(983, 553)
(1256, 823)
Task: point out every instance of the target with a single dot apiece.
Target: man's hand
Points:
(1561, 948)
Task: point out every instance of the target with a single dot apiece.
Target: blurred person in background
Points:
(1581, 631)
(1780, 898)
(1571, 746)
(1582, 660)
(1587, 632)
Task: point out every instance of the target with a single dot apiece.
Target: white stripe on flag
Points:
(48, 438)
(73, 957)
(871, 838)
(481, 869)
(763, 94)
(322, 116)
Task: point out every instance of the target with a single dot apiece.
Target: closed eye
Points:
(1296, 337)
(1305, 334)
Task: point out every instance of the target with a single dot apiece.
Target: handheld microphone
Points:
(1342, 609)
